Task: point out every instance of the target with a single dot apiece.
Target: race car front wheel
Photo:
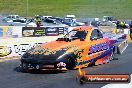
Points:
(71, 63)
(24, 68)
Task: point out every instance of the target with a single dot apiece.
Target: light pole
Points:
(26, 11)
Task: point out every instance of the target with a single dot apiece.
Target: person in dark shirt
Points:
(118, 24)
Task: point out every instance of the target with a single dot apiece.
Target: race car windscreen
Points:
(76, 35)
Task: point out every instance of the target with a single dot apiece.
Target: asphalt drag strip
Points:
(11, 77)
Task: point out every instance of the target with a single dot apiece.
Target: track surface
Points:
(11, 78)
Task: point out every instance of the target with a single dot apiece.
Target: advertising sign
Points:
(61, 30)
(42, 31)
(33, 31)
(52, 31)
(1, 32)
(6, 31)
(16, 50)
(9, 31)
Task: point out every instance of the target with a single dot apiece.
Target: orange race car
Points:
(79, 48)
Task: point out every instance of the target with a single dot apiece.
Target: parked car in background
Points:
(45, 17)
(70, 17)
(9, 18)
(13, 16)
(108, 21)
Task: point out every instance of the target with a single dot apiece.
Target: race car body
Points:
(79, 48)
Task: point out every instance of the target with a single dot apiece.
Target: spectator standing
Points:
(118, 24)
(38, 22)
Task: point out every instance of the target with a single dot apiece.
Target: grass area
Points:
(122, 9)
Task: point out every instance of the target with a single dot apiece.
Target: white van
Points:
(13, 16)
(71, 17)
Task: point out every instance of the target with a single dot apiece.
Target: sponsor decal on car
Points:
(61, 64)
(99, 47)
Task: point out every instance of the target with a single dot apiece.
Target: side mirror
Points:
(82, 39)
(54, 22)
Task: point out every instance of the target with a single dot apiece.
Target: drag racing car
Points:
(81, 47)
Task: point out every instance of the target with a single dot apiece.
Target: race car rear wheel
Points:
(111, 56)
(115, 53)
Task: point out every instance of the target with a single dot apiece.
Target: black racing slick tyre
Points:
(71, 63)
(115, 53)
(23, 68)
